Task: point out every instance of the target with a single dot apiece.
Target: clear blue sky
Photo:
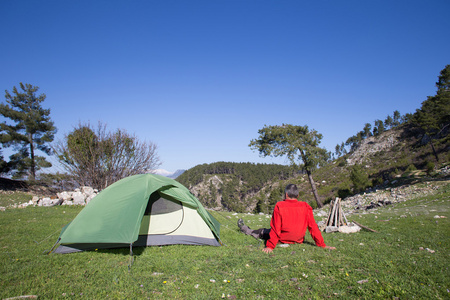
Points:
(199, 78)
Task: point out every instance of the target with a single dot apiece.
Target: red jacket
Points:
(289, 222)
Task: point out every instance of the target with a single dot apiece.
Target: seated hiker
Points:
(289, 222)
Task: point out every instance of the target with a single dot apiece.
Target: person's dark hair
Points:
(291, 190)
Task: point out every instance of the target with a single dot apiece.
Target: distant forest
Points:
(253, 175)
(238, 182)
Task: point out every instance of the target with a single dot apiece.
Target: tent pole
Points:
(53, 248)
(131, 258)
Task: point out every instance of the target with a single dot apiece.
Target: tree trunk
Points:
(314, 189)
(434, 150)
(32, 175)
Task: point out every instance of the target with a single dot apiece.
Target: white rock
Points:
(322, 213)
(349, 229)
(64, 196)
(35, 200)
(78, 198)
(87, 190)
(331, 229)
(46, 202)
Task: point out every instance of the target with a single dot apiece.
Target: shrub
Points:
(342, 163)
(377, 181)
(343, 193)
(359, 178)
(410, 168)
(96, 157)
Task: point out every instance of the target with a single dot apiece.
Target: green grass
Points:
(366, 265)
(11, 198)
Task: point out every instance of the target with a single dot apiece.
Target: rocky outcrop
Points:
(80, 196)
(205, 190)
(372, 145)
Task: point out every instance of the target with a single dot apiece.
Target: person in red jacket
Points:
(289, 222)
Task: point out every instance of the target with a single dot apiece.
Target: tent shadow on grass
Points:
(123, 251)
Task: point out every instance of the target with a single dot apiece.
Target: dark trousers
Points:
(262, 233)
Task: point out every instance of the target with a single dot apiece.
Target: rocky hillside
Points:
(397, 156)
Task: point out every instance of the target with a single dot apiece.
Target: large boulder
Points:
(78, 198)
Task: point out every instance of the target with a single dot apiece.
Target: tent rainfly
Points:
(140, 210)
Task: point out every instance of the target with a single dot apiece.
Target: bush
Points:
(96, 157)
(359, 178)
(343, 193)
(377, 181)
(410, 168)
(430, 167)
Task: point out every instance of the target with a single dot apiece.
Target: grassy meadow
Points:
(407, 258)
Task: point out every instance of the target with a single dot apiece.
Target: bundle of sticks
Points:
(336, 217)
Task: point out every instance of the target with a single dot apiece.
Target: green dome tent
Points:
(140, 210)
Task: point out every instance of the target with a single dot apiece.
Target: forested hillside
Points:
(396, 156)
(230, 185)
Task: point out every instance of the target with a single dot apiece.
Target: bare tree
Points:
(98, 158)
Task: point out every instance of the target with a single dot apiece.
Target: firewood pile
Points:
(337, 221)
(336, 217)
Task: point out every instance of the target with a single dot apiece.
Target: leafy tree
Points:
(298, 143)
(98, 158)
(33, 130)
(359, 178)
(434, 115)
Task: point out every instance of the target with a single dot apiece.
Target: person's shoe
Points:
(240, 223)
(244, 228)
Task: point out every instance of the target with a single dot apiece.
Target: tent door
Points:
(162, 216)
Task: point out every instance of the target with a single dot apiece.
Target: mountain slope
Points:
(397, 155)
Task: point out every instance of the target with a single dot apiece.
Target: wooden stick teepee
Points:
(336, 217)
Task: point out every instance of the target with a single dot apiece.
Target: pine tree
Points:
(389, 122)
(298, 143)
(33, 130)
(378, 128)
(434, 115)
(397, 118)
(367, 130)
